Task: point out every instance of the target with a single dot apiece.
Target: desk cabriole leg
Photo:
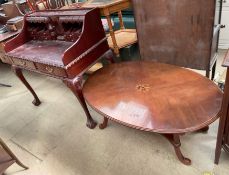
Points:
(104, 124)
(19, 74)
(76, 87)
(12, 155)
(174, 139)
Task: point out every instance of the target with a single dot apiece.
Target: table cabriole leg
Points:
(20, 75)
(76, 87)
(104, 124)
(7, 149)
(174, 139)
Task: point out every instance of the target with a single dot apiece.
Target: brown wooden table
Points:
(116, 39)
(154, 97)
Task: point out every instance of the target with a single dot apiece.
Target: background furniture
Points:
(7, 158)
(224, 34)
(183, 33)
(154, 97)
(60, 44)
(116, 39)
(223, 131)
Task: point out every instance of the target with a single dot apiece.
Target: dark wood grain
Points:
(183, 33)
(154, 97)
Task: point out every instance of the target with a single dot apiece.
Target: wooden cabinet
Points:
(183, 33)
(224, 34)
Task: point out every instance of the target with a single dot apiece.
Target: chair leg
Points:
(76, 87)
(19, 74)
(12, 155)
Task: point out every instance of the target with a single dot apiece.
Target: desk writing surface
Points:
(42, 51)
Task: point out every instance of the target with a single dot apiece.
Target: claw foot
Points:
(91, 124)
(36, 102)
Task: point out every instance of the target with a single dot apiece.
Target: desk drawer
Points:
(23, 63)
(56, 71)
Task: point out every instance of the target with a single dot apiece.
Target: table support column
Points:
(174, 139)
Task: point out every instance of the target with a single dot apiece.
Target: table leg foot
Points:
(174, 139)
(76, 87)
(91, 123)
(104, 124)
(19, 74)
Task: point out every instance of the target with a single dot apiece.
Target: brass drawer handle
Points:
(22, 63)
(49, 69)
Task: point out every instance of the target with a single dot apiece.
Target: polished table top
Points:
(154, 97)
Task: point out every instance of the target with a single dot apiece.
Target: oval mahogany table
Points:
(154, 97)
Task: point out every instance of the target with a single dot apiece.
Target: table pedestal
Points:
(174, 139)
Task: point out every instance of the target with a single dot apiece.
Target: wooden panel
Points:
(175, 32)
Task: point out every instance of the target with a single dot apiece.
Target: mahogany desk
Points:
(154, 97)
(60, 44)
